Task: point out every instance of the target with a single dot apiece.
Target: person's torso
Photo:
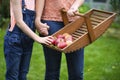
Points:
(29, 4)
(52, 9)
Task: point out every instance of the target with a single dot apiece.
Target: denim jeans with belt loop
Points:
(18, 49)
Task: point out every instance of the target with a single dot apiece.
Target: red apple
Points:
(54, 40)
(60, 36)
(67, 36)
(59, 40)
(62, 40)
(61, 45)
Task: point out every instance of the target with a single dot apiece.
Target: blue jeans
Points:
(75, 60)
(18, 49)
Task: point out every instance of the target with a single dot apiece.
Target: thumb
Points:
(47, 26)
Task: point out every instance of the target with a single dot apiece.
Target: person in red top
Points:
(52, 17)
(20, 35)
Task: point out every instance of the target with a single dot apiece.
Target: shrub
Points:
(115, 5)
(116, 8)
(4, 12)
(4, 9)
(84, 8)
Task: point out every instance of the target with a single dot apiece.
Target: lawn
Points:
(102, 61)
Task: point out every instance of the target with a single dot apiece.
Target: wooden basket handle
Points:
(65, 17)
(87, 20)
(79, 14)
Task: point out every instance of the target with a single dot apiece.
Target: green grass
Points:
(2, 61)
(102, 61)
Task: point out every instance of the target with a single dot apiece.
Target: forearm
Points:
(77, 4)
(27, 30)
(41, 27)
(39, 9)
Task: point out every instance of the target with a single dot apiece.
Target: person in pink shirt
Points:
(52, 17)
(20, 35)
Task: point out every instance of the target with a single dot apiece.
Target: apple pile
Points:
(62, 40)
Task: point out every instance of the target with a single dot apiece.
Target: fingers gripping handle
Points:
(87, 20)
(65, 17)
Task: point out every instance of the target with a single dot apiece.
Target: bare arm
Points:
(41, 28)
(39, 9)
(75, 7)
(17, 10)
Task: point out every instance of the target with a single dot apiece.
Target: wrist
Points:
(37, 39)
(74, 8)
(37, 19)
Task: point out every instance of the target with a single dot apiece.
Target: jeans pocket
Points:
(14, 39)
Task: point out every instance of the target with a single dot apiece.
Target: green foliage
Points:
(4, 13)
(4, 9)
(115, 24)
(4, 22)
(84, 8)
(115, 5)
(116, 8)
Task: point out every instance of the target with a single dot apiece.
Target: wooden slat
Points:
(84, 26)
(101, 14)
(95, 23)
(83, 29)
(96, 20)
(74, 35)
(97, 17)
(79, 32)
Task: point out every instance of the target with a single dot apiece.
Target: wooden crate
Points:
(85, 29)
